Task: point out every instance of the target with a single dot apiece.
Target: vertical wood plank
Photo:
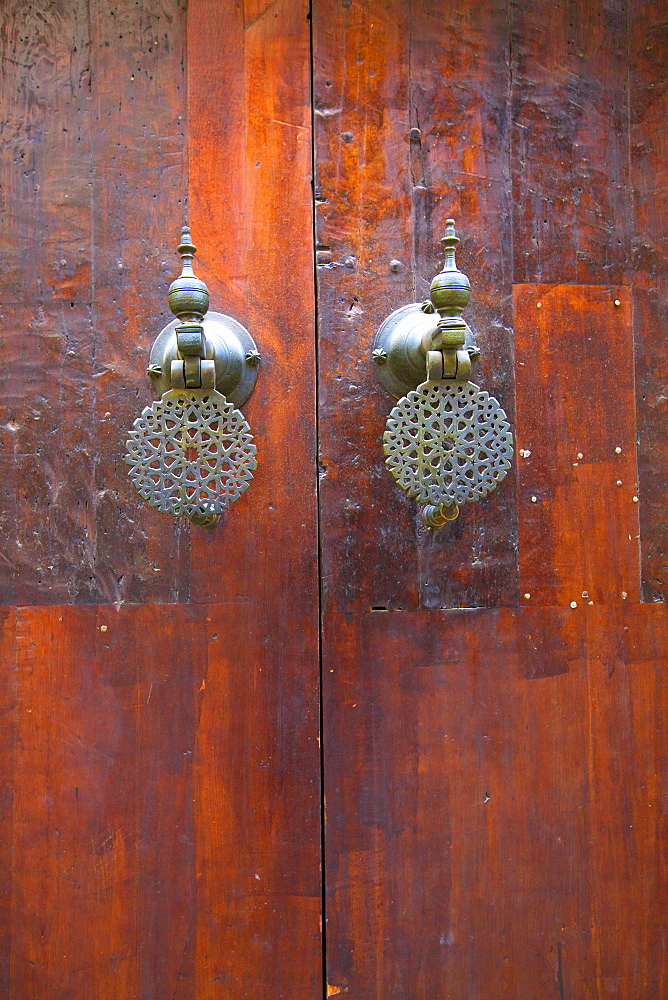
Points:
(578, 522)
(648, 98)
(45, 238)
(257, 813)
(92, 170)
(494, 811)
(74, 926)
(571, 197)
(139, 188)
(257, 782)
(396, 153)
(8, 787)
(172, 644)
(460, 168)
(365, 270)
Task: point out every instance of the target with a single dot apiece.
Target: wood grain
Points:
(649, 174)
(363, 196)
(571, 195)
(383, 193)
(165, 829)
(75, 839)
(91, 174)
(578, 522)
(7, 788)
(257, 758)
(460, 168)
(494, 813)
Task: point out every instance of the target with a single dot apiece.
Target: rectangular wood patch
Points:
(494, 806)
(165, 801)
(576, 445)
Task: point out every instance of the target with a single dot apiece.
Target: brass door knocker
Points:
(191, 452)
(446, 442)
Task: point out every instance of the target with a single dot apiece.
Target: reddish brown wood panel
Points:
(93, 178)
(459, 168)
(571, 193)
(251, 212)
(251, 201)
(76, 831)
(363, 201)
(7, 763)
(578, 492)
(649, 173)
(165, 823)
(494, 803)
(188, 865)
(382, 196)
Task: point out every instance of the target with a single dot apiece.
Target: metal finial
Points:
(450, 290)
(188, 295)
(186, 247)
(450, 241)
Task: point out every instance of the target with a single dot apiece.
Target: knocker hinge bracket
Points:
(191, 370)
(451, 364)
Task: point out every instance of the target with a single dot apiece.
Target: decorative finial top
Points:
(188, 295)
(186, 247)
(450, 290)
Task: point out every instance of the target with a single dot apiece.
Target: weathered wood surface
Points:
(648, 75)
(93, 178)
(576, 445)
(8, 786)
(495, 812)
(526, 120)
(188, 866)
(165, 823)
(251, 208)
(493, 777)
(382, 196)
(571, 191)
(251, 203)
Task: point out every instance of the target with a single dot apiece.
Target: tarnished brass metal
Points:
(407, 336)
(436, 517)
(447, 442)
(191, 452)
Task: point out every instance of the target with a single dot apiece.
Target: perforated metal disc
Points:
(448, 442)
(191, 452)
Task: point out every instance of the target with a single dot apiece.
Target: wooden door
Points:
(493, 692)
(161, 755)
(480, 710)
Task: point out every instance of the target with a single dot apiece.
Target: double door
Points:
(322, 750)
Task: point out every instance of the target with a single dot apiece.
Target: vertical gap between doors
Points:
(323, 905)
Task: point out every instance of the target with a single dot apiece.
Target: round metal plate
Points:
(191, 453)
(227, 341)
(448, 443)
(400, 339)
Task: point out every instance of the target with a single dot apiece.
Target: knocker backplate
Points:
(191, 452)
(448, 442)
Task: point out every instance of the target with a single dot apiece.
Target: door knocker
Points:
(446, 442)
(191, 452)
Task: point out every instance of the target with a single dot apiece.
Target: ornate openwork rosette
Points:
(448, 443)
(191, 452)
